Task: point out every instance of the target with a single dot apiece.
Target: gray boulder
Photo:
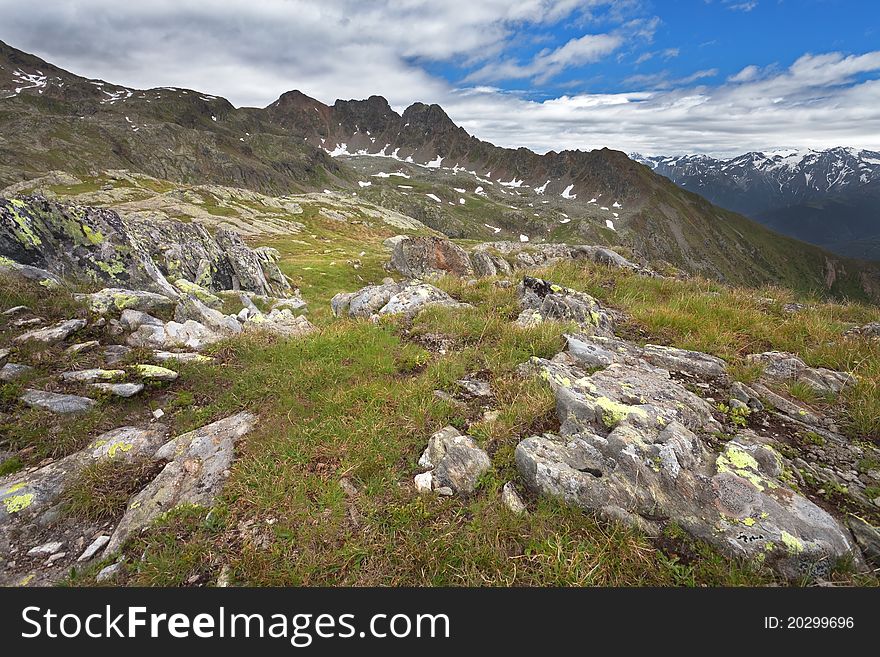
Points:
(633, 446)
(118, 299)
(198, 464)
(12, 371)
(55, 403)
(542, 300)
(784, 367)
(457, 461)
(53, 334)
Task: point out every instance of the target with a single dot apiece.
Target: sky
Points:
(652, 76)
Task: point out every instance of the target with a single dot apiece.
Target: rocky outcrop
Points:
(542, 300)
(420, 257)
(97, 245)
(198, 464)
(116, 300)
(784, 367)
(637, 446)
(390, 298)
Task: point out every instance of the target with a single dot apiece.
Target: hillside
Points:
(52, 120)
(302, 443)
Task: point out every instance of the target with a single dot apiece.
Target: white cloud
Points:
(251, 52)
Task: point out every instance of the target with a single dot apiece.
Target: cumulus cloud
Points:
(251, 52)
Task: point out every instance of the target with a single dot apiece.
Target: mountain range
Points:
(54, 120)
(830, 198)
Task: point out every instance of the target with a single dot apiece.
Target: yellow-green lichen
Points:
(613, 413)
(119, 447)
(792, 543)
(738, 461)
(93, 236)
(17, 503)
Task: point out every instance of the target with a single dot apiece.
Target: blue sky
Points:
(713, 76)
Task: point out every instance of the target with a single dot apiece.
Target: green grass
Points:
(101, 491)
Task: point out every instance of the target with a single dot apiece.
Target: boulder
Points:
(542, 300)
(53, 334)
(118, 299)
(457, 461)
(280, 322)
(154, 373)
(408, 297)
(55, 403)
(784, 367)
(191, 308)
(29, 500)
(634, 447)
(698, 364)
(189, 334)
(12, 371)
(43, 240)
(198, 464)
(92, 376)
(124, 390)
(420, 257)
(487, 264)
(194, 290)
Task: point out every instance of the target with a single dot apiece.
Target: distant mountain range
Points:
(830, 198)
(51, 119)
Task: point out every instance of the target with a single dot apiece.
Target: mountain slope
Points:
(51, 119)
(830, 198)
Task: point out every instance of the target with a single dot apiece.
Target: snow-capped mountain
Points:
(829, 197)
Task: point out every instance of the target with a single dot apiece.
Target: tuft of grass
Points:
(103, 489)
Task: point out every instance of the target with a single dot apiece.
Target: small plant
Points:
(813, 438)
(738, 416)
(103, 489)
(10, 465)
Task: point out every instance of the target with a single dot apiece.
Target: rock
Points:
(4, 354)
(132, 320)
(475, 387)
(29, 500)
(391, 242)
(737, 405)
(600, 351)
(158, 414)
(868, 538)
(449, 399)
(420, 257)
(424, 482)
(54, 334)
(189, 334)
(280, 322)
(414, 298)
(391, 298)
(94, 547)
(488, 264)
(12, 371)
(55, 403)
(190, 308)
(124, 390)
(92, 376)
(785, 367)
(511, 499)
(699, 364)
(743, 393)
(542, 300)
(111, 572)
(198, 465)
(15, 310)
(115, 299)
(871, 330)
(633, 446)
(115, 353)
(28, 323)
(154, 373)
(45, 549)
(457, 461)
(181, 357)
(38, 275)
(291, 303)
(786, 407)
(97, 244)
(80, 347)
(200, 293)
